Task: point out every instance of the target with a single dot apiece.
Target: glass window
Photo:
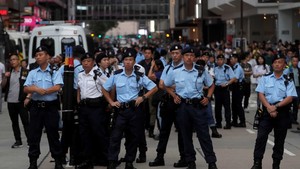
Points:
(50, 44)
(67, 42)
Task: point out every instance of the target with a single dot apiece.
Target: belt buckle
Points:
(188, 101)
(42, 104)
(126, 105)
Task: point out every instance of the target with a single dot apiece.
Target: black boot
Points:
(129, 166)
(158, 161)
(58, 164)
(112, 165)
(276, 164)
(212, 166)
(191, 165)
(257, 164)
(33, 164)
(215, 133)
(151, 131)
(85, 165)
(180, 163)
(141, 158)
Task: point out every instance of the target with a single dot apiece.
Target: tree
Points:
(101, 27)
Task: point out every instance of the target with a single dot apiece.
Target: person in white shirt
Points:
(260, 70)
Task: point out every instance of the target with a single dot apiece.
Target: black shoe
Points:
(212, 166)
(298, 128)
(85, 165)
(17, 144)
(141, 159)
(191, 165)
(59, 166)
(129, 166)
(257, 165)
(242, 125)
(227, 127)
(180, 163)
(215, 133)
(295, 122)
(158, 161)
(156, 137)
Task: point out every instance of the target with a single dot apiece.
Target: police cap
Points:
(87, 56)
(205, 54)
(279, 56)
(41, 49)
(78, 51)
(129, 52)
(188, 50)
(110, 53)
(175, 47)
(100, 50)
(100, 56)
(220, 56)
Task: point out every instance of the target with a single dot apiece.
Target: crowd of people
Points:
(123, 93)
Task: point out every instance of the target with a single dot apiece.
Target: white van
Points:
(56, 38)
(18, 41)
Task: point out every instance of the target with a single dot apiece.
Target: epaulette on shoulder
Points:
(288, 78)
(118, 71)
(178, 67)
(81, 71)
(54, 68)
(136, 67)
(226, 66)
(97, 72)
(268, 74)
(139, 73)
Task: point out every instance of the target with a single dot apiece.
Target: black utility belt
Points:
(44, 104)
(127, 105)
(193, 101)
(95, 102)
(220, 87)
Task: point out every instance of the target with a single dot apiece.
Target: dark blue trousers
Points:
(40, 117)
(191, 117)
(93, 129)
(222, 98)
(128, 122)
(237, 107)
(167, 120)
(267, 123)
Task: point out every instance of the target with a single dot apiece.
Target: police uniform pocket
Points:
(180, 83)
(269, 88)
(281, 91)
(121, 87)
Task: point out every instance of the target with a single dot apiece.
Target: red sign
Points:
(3, 12)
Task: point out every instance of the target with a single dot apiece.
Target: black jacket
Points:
(22, 79)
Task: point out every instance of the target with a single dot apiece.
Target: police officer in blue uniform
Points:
(224, 76)
(276, 92)
(237, 93)
(43, 83)
(189, 80)
(127, 83)
(92, 117)
(168, 115)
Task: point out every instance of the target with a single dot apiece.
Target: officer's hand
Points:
(204, 101)
(41, 91)
(177, 99)
(271, 108)
(115, 104)
(138, 101)
(273, 114)
(26, 102)
(224, 85)
(7, 74)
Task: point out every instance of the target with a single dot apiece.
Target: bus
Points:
(56, 38)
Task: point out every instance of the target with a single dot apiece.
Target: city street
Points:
(234, 150)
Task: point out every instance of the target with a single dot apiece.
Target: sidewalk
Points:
(15, 158)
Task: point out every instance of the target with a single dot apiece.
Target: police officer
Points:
(276, 92)
(92, 117)
(43, 83)
(168, 116)
(237, 93)
(127, 83)
(224, 76)
(189, 80)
